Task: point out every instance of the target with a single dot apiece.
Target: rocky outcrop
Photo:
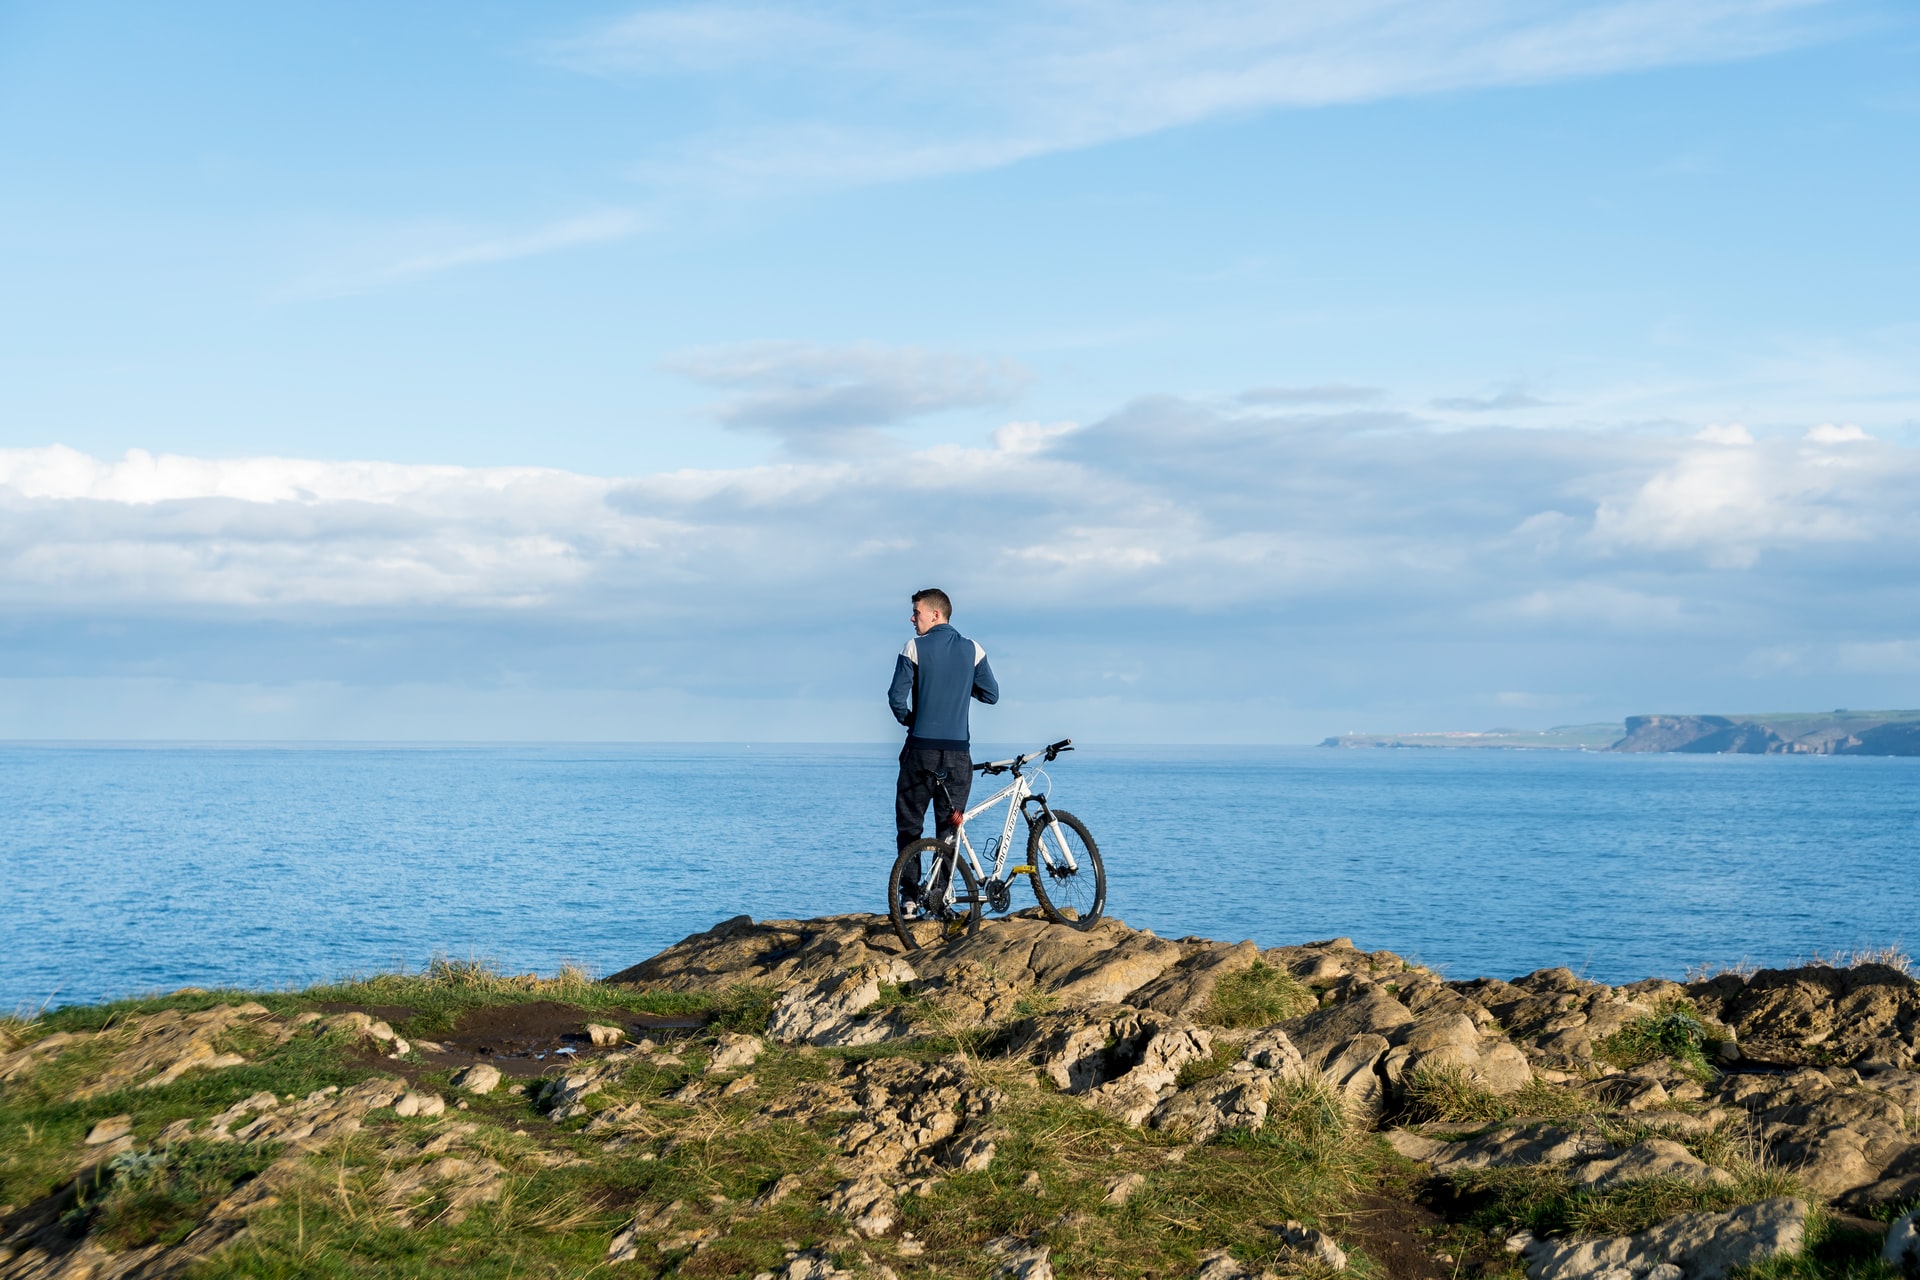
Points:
(1811, 1069)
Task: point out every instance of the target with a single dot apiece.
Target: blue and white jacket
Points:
(932, 679)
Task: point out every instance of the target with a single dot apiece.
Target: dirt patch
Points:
(1399, 1235)
(535, 1038)
(391, 1014)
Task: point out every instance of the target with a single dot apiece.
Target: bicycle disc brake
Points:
(999, 894)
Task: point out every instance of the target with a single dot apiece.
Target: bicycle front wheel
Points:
(1073, 895)
(934, 921)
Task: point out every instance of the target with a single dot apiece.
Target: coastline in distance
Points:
(1824, 733)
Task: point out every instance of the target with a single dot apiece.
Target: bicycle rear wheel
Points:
(1074, 896)
(937, 922)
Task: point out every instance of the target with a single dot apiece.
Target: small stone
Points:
(481, 1077)
(380, 1031)
(734, 1051)
(1902, 1250)
(1032, 1184)
(109, 1129)
(1121, 1189)
(414, 1103)
(604, 1036)
(784, 1186)
(1311, 1243)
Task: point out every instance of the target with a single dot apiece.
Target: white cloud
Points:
(1730, 433)
(1733, 503)
(1365, 557)
(1828, 433)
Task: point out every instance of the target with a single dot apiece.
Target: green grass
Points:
(158, 1196)
(1543, 1199)
(1673, 1031)
(1258, 996)
(1450, 1094)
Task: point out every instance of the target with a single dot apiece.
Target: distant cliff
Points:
(1838, 733)
(1826, 733)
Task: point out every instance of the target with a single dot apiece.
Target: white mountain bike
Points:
(1063, 863)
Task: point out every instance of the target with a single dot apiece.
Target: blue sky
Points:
(1248, 372)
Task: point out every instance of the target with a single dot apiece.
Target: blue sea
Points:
(141, 868)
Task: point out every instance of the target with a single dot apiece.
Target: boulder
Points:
(829, 1011)
(1654, 1158)
(1186, 990)
(1703, 1246)
(1325, 1033)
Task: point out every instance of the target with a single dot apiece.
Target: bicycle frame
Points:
(1018, 794)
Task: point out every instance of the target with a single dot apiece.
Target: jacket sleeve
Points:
(985, 687)
(900, 692)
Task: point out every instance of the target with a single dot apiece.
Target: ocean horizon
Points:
(137, 866)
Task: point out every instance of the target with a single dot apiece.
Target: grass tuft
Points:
(1673, 1031)
(1258, 996)
(1450, 1094)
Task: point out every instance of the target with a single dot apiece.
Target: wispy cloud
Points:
(1499, 402)
(455, 250)
(1326, 393)
(819, 398)
(879, 93)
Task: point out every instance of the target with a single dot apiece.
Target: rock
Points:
(604, 1036)
(1503, 1147)
(971, 1155)
(1704, 1246)
(1271, 1050)
(1902, 1249)
(1103, 965)
(784, 1186)
(1654, 1158)
(1307, 1242)
(814, 1264)
(481, 1077)
(1235, 1100)
(1786, 1014)
(1353, 1070)
(1324, 1034)
(734, 1051)
(1018, 1259)
(738, 1086)
(109, 1130)
(1222, 1265)
(770, 953)
(413, 1103)
(866, 1202)
(1084, 1050)
(1121, 1189)
(1186, 989)
(828, 1012)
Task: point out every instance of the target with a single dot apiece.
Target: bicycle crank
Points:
(999, 894)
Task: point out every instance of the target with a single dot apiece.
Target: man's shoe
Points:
(910, 910)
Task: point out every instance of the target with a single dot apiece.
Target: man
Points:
(933, 678)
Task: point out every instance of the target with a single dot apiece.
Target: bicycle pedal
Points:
(1020, 871)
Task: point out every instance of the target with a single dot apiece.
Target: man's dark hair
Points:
(937, 598)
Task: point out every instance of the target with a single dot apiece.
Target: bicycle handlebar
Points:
(1051, 750)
